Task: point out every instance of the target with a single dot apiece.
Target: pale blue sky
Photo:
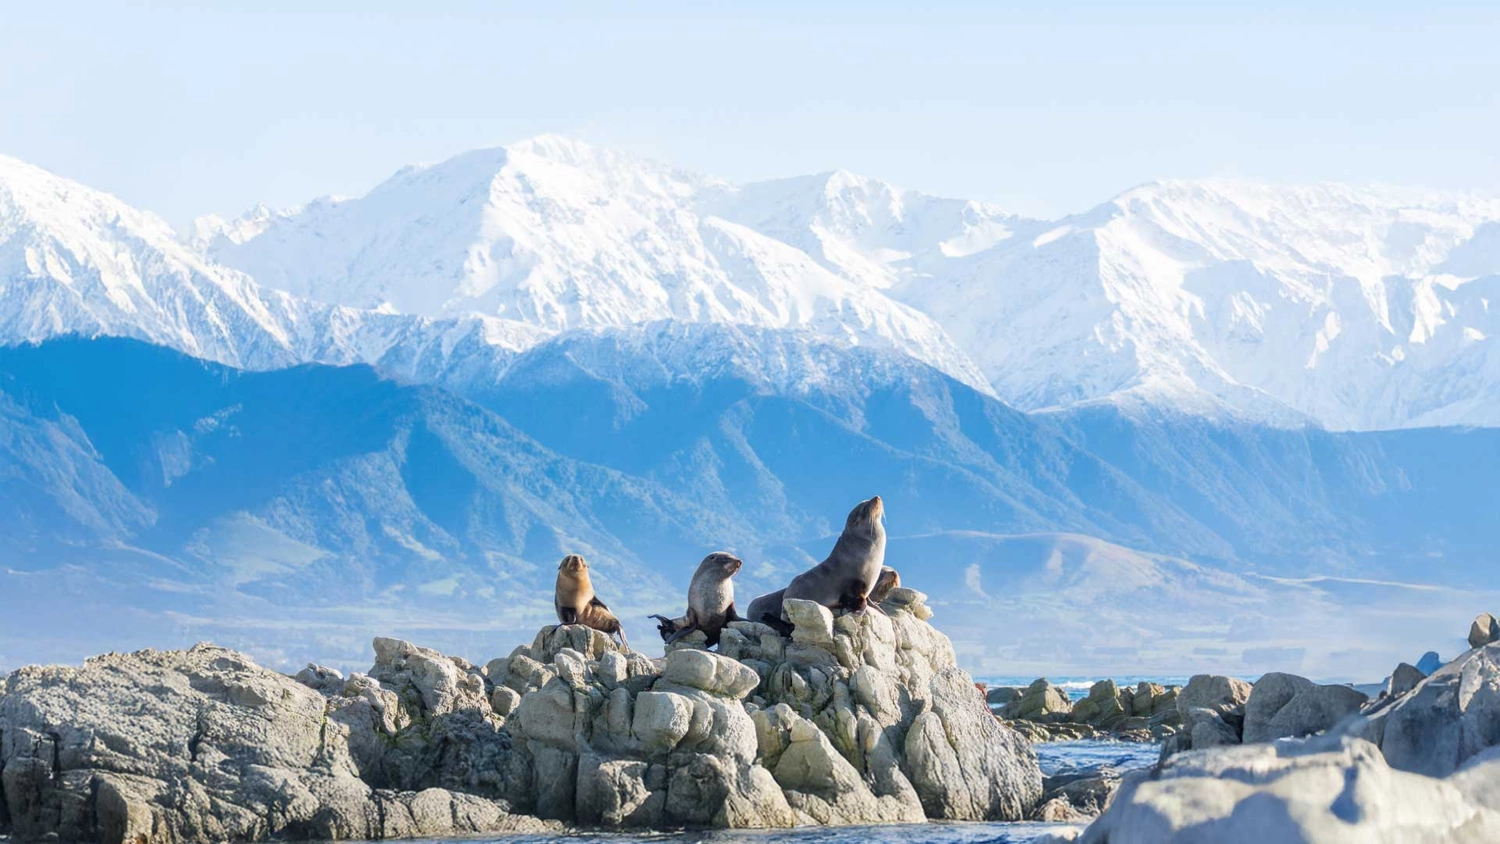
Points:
(1044, 108)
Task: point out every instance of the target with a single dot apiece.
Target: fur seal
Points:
(576, 602)
(766, 609)
(710, 600)
(844, 579)
(889, 579)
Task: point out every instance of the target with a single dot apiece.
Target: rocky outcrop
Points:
(1484, 630)
(855, 719)
(1288, 706)
(205, 745)
(1290, 791)
(1445, 720)
(1212, 709)
(1414, 765)
(1043, 712)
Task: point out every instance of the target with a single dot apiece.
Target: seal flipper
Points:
(567, 615)
(665, 626)
(690, 626)
(730, 614)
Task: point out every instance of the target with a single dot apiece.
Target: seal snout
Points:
(572, 563)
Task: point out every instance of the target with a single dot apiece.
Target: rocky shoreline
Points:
(853, 720)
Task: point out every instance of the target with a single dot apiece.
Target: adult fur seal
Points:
(710, 600)
(845, 578)
(576, 602)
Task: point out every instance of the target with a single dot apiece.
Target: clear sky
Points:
(1044, 108)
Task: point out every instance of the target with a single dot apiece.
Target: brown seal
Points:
(576, 602)
(889, 579)
(844, 579)
(710, 600)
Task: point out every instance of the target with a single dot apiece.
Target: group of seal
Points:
(853, 577)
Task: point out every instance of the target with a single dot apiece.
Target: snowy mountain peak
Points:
(563, 235)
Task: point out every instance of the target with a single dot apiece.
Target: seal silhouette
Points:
(576, 602)
(844, 579)
(710, 600)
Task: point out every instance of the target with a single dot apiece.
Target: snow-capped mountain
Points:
(561, 235)
(1358, 307)
(78, 261)
(1355, 307)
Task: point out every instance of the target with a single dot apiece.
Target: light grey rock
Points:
(712, 673)
(1484, 630)
(321, 679)
(812, 622)
(1212, 691)
(1207, 728)
(871, 723)
(1288, 706)
(1319, 790)
(1403, 679)
(1445, 720)
(181, 747)
(1039, 701)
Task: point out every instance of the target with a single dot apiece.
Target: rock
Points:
(435, 683)
(1316, 790)
(1403, 679)
(864, 719)
(1288, 706)
(1208, 691)
(1207, 728)
(198, 745)
(1103, 708)
(321, 679)
(1484, 630)
(1085, 793)
(712, 673)
(1040, 700)
(1448, 718)
(1001, 695)
(812, 623)
(504, 700)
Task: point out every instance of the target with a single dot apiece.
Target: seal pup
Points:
(889, 579)
(844, 579)
(576, 602)
(710, 600)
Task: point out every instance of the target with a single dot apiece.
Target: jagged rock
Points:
(436, 683)
(1211, 691)
(1484, 630)
(1403, 679)
(1103, 708)
(1086, 794)
(1040, 700)
(1207, 728)
(321, 679)
(1288, 706)
(1001, 695)
(871, 723)
(198, 745)
(812, 623)
(1317, 790)
(1445, 720)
